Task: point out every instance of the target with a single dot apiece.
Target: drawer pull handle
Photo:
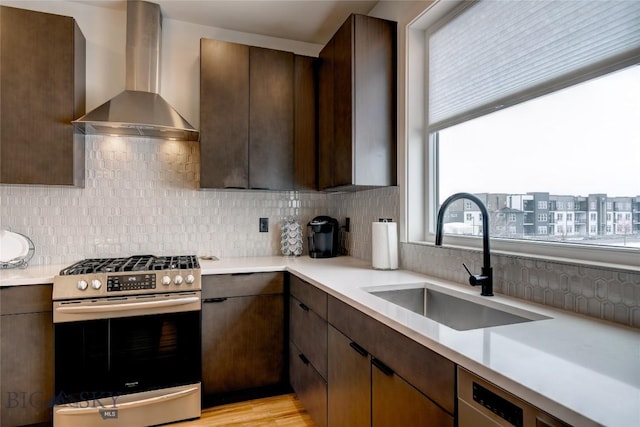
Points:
(303, 358)
(384, 368)
(214, 300)
(359, 349)
(304, 307)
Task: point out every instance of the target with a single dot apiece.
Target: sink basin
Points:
(457, 313)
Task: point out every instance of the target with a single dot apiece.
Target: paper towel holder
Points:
(384, 245)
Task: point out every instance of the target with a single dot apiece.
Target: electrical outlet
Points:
(264, 225)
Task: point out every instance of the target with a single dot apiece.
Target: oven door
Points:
(134, 347)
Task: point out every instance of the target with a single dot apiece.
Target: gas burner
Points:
(134, 263)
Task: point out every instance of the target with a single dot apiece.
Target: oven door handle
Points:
(134, 404)
(83, 309)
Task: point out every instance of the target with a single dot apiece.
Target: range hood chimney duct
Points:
(139, 110)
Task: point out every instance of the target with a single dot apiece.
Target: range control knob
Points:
(96, 284)
(83, 285)
(190, 279)
(166, 280)
(178, 280)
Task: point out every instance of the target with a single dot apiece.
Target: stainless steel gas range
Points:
(127, 341)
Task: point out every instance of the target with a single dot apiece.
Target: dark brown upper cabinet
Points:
(257, 122)
(42, 75)
(357, 106)
(305, 122)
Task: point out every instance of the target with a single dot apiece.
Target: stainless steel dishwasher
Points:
(482, 404)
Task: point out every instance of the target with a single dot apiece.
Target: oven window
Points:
(101, 358)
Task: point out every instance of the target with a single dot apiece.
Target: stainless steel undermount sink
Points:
(455, 312)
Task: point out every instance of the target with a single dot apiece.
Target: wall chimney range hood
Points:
(139, 110)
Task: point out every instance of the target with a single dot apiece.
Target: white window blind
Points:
(494, 54)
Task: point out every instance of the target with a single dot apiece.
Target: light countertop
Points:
(581, 370)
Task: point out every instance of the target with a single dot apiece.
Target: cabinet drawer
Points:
(26, 299)
(310, 387)
(234, 285)
(429, 372)
(395, 402)
(309, 295)
(309, 333)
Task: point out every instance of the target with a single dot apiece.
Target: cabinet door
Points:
(374, 109)
(335, 110)
(395, 402)
(429, 372)
(242, 343)
(357, 105)
(344, 136)
(326, 116)
(349, 382)
(305, 152)
(309, 385)
(224, 114)
(270, 119)
(26, 359)
(43, 72)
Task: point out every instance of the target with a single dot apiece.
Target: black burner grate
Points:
(134, 263)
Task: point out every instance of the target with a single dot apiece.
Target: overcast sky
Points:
(582, 140)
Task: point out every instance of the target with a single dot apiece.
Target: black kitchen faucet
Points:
(485, 280)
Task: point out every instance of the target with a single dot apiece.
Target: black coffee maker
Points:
(323, 237)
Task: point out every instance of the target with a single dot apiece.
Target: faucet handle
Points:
(465, 267)
(476, 279)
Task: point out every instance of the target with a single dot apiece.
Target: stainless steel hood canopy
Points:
(139, 110)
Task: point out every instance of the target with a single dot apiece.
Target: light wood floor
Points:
(277, 411)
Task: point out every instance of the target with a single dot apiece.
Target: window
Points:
(506, 78)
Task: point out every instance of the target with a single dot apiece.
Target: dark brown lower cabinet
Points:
(26, 355)
(309, 385)
(379, 377)
(242, 335)
(349, 382)
(395, 402)
(308, 347)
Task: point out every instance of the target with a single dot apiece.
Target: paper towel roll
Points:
(384, 243)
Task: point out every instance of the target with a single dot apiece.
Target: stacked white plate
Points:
(14, 247)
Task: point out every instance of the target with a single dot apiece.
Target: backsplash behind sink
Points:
(602, 293)
(606, 294)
